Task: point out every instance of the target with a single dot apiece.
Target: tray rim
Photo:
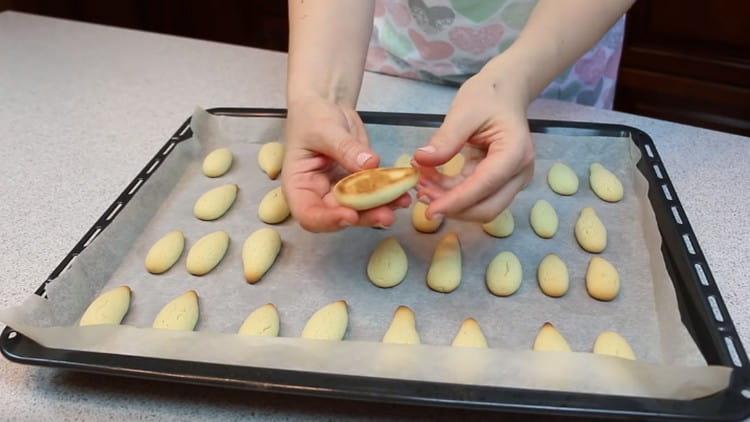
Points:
(732, 403)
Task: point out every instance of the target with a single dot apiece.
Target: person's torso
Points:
(448, 41)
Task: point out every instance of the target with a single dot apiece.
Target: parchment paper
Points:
(316, 269)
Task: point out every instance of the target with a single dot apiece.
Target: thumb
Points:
(447, 140)
(342, 147)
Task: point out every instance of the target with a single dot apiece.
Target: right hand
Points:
(325, 142)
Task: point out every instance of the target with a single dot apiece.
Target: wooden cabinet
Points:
(688, 62)
(256, 23)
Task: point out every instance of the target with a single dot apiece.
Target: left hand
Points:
(488, 115)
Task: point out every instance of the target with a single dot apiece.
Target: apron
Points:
(448, 41)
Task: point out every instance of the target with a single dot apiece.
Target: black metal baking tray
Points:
(701, 306)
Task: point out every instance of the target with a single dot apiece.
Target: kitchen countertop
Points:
(83, 107)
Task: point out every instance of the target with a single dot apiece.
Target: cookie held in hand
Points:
(372, 188)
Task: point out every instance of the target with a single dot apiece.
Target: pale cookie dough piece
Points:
(404, 160)
(165, 252)
(604, 183)
(388, 263)
(207, 252)
(216, 202)
(403, 328)
(543, 219)
(553, 276)
(108, 309)
(372, 188)
(270, 158)
(602, 280)
(590, 231)
(444, 274)
(612, 344)
(263, 322)
(470, 335)
(420, 221)
(454, 166)
(562, 179)
(550, 340)
(328, 323)
(217, 163)
(273, 208)
(180, 314)
(504, 274)
(259, 252)
(500, 226)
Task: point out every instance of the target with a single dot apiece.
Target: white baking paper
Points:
(315, 269)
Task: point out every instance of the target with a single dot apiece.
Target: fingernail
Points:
(428, 149)
(437, 216)
(380, 226)
(344, 223)
(363, 158)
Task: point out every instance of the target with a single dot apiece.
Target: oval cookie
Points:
(371, 188)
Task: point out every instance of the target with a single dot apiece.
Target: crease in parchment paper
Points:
(315, 269)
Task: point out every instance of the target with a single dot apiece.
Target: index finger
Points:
(309, 209)
(500, 165)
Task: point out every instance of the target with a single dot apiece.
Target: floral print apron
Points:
(448, 41)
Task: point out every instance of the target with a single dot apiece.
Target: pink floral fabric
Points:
(448, 41)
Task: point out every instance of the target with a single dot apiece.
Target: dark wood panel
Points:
(685, 100)
(709, 93)
(688, 62)
(715, 69)
(255, 23)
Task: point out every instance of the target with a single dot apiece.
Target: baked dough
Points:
(552, 276)
(207, 252)
(263, 322)
(454, 166)
(270, 158)
(259, 252)
(216, 202)
(550, 340)
(273, 208)
(404, 160)
(502, 225)
(604, 183)
(180, 314)
(403, 328)
(444, 274)
(388, 263)
(165, 252)
(420, 221)
(562, 179)
(470, 335)
(602, 280)
(217, 163)
(590, 231)
(372, 188)
(328, 323)
(612, 344)
(108, 309)
(504, 274)
(543, 219)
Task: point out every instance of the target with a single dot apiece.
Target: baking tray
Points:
(701, 306)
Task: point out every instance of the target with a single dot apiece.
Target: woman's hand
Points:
(326, 141)
(488, 115)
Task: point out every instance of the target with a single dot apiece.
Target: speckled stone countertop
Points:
(83, 107)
